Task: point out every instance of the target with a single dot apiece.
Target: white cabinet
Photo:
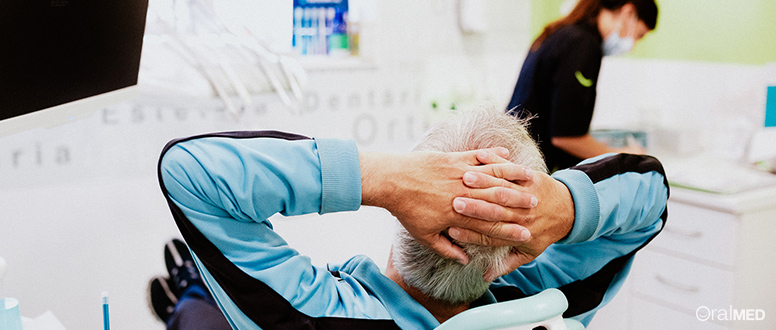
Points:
(712, 267)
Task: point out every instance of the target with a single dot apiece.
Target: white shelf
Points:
(318, 63)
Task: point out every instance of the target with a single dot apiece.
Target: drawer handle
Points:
(684, 233)
(675, 285)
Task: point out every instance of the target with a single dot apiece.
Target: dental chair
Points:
(542, 311)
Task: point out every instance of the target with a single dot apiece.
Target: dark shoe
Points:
(180, 265)
(161, 298)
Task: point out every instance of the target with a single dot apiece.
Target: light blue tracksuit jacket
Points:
(223, 187)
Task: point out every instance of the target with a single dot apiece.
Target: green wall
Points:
(729, 31)
(543, 12)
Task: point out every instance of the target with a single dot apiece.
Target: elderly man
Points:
(469, 218)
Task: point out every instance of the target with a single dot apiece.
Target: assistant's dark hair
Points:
(587, 11)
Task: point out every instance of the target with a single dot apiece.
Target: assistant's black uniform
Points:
(557, 85)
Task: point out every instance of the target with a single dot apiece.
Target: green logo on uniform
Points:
(582, 80)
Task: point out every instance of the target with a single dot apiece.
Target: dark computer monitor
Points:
(64, 59)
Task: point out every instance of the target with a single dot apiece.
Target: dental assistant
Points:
(556, 88)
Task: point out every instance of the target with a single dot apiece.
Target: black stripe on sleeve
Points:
(586, 294)
(258, 301)
(621, 163)
(235, 135)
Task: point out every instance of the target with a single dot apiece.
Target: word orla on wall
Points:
(704, 313)
(36, 155)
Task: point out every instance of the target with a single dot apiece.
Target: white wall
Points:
(717, 106)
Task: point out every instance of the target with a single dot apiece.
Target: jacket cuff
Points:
(340, 175)
(586, 207)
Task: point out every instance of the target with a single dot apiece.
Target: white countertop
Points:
(718, 184)
(739, 203)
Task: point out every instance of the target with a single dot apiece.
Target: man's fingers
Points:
(506, 171)
(498, 191)
(486, 206)
(479, 209)
(486, 156)
(505, 197)
(493, 162)
(482, 180)
(493, 155)
(442, 246)
(490, 233)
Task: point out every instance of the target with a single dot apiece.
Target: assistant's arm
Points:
(583, 147)
(586, 146)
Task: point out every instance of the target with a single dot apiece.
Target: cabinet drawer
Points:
(699, 232)
(680, 282)
(651, 316)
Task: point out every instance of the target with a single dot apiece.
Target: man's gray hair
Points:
(443, 279)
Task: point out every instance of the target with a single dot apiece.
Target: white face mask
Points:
(616, 45)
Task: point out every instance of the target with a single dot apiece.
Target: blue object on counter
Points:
(105, 316)
(619, 138)
(10, 318)
(770, 107)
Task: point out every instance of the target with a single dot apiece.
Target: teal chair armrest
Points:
(572, 324)
(542, 309)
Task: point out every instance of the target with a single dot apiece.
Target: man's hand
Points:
(419, 187)
(550, 221)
